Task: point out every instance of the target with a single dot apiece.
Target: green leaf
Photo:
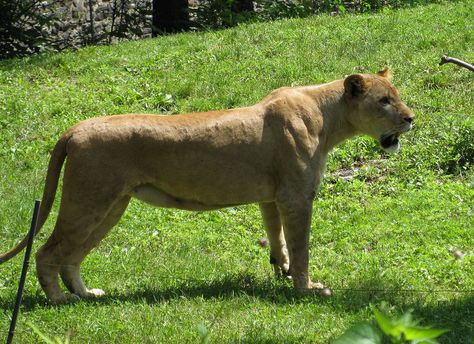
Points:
(342, 9)
(405, 326)
(43, 337)
(362, 333)
(412, 333)
(424, 341)
(406, 320)
(203, 333)
(387, 325)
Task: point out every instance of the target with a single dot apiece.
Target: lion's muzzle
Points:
(390, 142)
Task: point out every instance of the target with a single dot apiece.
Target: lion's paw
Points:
(95, 293)
(63, 299)
(315, 287)
(321, 289)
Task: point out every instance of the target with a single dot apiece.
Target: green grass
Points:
(385, 235)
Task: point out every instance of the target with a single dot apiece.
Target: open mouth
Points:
(390, 143)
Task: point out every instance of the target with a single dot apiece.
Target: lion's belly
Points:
(158, 198)
(215, 183)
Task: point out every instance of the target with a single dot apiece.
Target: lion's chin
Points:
(390, 143)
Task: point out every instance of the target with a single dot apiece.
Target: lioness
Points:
(273, 153)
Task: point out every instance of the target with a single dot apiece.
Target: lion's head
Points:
(377, 108)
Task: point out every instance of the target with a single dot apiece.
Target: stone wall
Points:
(112, 20)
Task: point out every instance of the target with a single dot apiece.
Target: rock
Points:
(458, 254)
(326, 292)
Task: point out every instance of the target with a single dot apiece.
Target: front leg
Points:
(296, 213)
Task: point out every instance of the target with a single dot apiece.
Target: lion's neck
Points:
(333, 111)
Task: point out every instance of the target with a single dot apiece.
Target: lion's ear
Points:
(355, 85)
(385, 73)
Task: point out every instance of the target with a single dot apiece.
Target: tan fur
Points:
(272, 153)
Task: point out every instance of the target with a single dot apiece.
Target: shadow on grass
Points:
(226, 288)
(455, 314)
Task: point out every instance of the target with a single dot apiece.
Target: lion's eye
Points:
(384, 100)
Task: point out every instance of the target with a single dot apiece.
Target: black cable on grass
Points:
(26, 263)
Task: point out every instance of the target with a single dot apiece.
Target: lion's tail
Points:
(52, 178)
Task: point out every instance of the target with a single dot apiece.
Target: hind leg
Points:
(78, 219)
(278, 251)
(47, 270)
(70, 272)
(52, 257)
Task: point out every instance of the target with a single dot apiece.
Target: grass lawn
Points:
(386, 234)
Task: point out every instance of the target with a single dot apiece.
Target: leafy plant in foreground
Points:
(390, 330)
(46, 339)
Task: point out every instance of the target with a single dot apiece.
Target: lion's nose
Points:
(409, 119)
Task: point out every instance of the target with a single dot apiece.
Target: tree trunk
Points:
(170, 16)
(242, 6)
(91, 22)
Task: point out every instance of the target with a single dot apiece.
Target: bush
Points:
(23, 27)
(30, 26)
(127, 18)
(221, 13)
(445, 148)
(459, 146)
